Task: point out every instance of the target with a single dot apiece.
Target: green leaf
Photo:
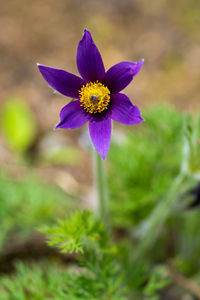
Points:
(157, 281)
(17, 124)
(75, 232)
(191, 150)
(46, 281)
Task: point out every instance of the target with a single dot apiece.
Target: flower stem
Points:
(151, 227)
(101, 188)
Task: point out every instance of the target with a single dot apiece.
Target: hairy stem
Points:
(101, 188)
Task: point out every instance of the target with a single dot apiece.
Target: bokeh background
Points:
(44, 172)
(164, 33)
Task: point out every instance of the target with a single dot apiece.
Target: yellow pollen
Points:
(94, 97)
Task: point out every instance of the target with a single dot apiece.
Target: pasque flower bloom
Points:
(98, 94)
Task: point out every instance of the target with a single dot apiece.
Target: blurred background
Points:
(165, 34)
(45, 173)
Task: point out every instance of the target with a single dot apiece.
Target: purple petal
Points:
(123, 111)
(100, 132)
(121, 74)
(64, 82)
(72, 116)
(89, 61)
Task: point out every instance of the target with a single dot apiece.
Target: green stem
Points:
(151, 227)
(101, 188)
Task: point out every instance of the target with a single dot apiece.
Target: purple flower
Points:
(98, 93)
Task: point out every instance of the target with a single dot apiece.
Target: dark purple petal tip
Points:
(89, 61)
(62, 81)
(124, 111)
(121, 74)
(100, 133)
(72, 116)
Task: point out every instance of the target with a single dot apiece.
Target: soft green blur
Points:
(17, 124)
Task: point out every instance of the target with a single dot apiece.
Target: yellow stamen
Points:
(94, 97)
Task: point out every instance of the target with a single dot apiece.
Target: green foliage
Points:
(187, 246)
(143, 167)
(142, 176)
(99, 276)
(51, 282)
(157, 281)
(73, 234)
(191, 161)
(17, 124)
(83, 233)
(26, 204)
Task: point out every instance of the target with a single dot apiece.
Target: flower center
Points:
(94, 97)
